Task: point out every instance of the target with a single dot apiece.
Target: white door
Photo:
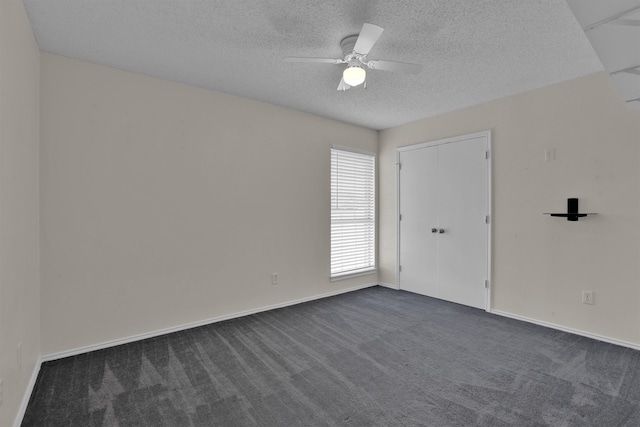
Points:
(418, 197)
(444, 206)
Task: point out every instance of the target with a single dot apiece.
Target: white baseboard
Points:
(386, 285)
(27, 394)
(567, 329)
(138, 337)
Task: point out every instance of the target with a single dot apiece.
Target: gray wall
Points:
(19, 210)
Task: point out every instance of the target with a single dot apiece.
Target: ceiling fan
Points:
(355, 49)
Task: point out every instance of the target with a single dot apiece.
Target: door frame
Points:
(399, 150)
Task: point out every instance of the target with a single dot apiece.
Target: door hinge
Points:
(400, 217)
(399, 165)
(486, 154)
(486, 284)
(399, 269)
(487, 219)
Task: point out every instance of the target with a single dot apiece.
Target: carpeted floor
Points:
(375, 357)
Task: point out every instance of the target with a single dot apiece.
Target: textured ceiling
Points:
(471, 51)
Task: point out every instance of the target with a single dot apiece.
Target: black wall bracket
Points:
(572, 211)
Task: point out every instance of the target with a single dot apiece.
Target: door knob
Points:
(441, 231)
(434, 230)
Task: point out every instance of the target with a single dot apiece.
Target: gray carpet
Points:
(375, 357)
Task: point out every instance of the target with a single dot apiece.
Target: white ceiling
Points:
(472, 51)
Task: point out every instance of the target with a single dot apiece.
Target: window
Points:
(353, 226)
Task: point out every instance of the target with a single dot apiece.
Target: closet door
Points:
(418, 197)
(462, 207)
(445, 187)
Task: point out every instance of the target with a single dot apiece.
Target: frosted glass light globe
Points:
(353, 76)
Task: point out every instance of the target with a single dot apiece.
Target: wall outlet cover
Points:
(587, 297)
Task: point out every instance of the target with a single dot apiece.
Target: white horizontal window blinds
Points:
(352, 212)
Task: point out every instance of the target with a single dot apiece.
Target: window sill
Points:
(352, 275)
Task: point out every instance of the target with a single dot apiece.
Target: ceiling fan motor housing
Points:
(348, 43)
(348, 53)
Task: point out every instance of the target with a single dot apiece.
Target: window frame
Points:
(368, 226)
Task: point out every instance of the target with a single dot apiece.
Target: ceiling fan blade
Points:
(369, 35)
(315, 60)
(398, 67)
(343, 86)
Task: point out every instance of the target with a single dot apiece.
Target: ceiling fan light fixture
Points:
(353, 76)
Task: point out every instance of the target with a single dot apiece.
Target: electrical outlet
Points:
(587, 297)
(275, 279)
(549, 154)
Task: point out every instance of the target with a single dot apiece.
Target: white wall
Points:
(166, 204)
(541, 264)
(19, 211)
